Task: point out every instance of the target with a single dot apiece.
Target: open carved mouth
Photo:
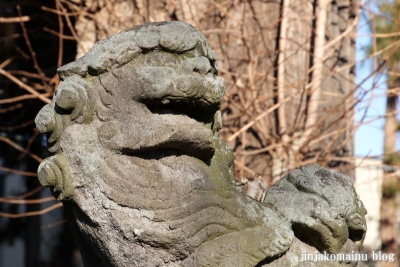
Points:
(196, 109)
(178, 124)
(162, 151)
(191, 134)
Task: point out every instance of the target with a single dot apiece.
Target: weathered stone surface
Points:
(145, 178)
(326, 205)
(324, 211)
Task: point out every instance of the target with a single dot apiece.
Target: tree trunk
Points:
(389, 226)
(390, 128)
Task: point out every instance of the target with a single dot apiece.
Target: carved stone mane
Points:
(144, 176)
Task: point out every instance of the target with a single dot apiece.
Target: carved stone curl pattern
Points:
(145, 177)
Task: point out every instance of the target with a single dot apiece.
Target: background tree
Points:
(288, 68)
(29, 57)
(386, 42)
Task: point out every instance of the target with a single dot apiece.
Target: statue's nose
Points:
(200, 65)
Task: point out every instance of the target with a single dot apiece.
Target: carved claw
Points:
(54, 172)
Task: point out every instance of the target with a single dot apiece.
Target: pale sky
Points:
(369, 137)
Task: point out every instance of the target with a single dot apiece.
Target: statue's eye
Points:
(201, 65)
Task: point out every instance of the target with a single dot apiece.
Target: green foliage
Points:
(389, 191)
(388, 22)
(392, 159)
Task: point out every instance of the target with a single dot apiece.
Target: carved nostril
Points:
(68, 98)
(45, 121)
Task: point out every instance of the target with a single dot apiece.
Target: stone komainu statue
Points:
(144, 176)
